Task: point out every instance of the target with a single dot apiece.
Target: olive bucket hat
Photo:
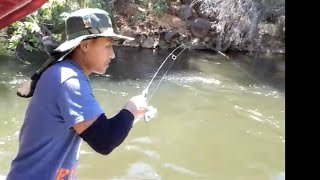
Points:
(87, 23)
(79, 25)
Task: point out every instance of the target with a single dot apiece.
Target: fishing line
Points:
(151, 111)
(173, 58)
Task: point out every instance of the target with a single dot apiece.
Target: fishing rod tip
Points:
(144, 92)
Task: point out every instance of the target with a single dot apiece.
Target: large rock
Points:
(128, 32)
(185, 12)
(200, 27)
(148, 43)
(169, 35)
(134, 43)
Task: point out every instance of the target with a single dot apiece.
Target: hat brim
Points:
(71, 44)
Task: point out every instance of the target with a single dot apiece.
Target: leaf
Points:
(28, 47)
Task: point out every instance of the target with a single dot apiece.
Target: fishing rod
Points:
(151, 111)
(173, 58)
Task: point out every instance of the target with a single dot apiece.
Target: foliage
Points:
(160, 6)
(3, 49)
(45, 21)
(24, 34)
(53, 13)
(140, 16)
(48, 20)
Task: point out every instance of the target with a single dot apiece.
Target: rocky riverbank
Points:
(221, 26)
(243, 25)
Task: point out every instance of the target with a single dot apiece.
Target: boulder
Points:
(148, 42)
(200, 27)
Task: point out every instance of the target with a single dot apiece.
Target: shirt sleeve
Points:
(76, 101)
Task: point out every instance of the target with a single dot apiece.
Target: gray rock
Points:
(185, 12)
(200, 27)
(168, 35)
(147, 43)
(134, 43)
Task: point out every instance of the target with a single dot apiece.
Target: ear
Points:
(84, 45)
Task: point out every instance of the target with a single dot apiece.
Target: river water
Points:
(216, 119)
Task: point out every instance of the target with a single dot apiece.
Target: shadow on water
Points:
(141, 64)
(13, 65)
(266, 68)
(134, 63)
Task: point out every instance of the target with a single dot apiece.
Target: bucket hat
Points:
(87, 23)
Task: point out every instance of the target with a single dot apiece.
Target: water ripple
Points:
(255, 115)
(143, 140)
(183, 170)
(140, 171)
(192, 79)
(148, 153)
(111, 91)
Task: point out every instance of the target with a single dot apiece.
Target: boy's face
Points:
(99, 54)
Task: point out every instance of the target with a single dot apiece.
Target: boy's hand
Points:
(137, 105)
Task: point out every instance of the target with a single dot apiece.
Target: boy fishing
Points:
(63, 110)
